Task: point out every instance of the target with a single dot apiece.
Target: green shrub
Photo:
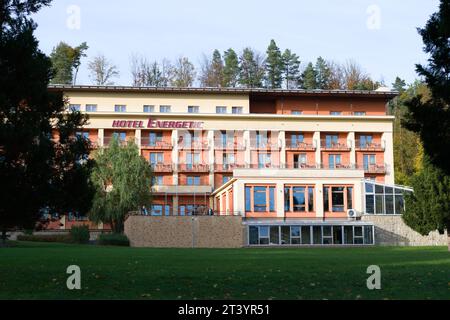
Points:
(113, 239)
(63, 238)
(28, 232)
(80, 234)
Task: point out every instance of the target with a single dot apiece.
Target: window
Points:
(84, 135)
(334, 161)
(120, 108)
(221, 109)
(359, 113)
(225, 179)
(236, 110)
(264, 160)
(297, 139)
(154, 138)
(335, 113)
(382, 199)
(156, 158)
(337, 198)
(91, 108)
(164, 109)
(296, 112)
(193, 109)
(159, 210)
(365, 141)
(260, 199)
(331, 140)
(148, 108)
(299, 199)
(369, 161)
(193, 181)
(300, 160)
(226, 138)
(261, 139)
(158, 180)
(228, 159)
(121, 136)
(75, 107)
(192, 159)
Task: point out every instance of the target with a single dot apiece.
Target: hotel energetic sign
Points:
(156, 124)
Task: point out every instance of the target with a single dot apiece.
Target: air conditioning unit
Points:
(353, 214)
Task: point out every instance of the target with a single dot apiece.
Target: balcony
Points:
(296, 145)
(229, 145)
(299, 165)
(370, 146)
(339, 166)
(107, 140)
(146, 143)
(228, 167)
(194, 145)
(161, 167)
(258, 145)
(328, 145)
(374, 168)
(198, 167)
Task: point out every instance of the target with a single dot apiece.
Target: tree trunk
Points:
(3, 237)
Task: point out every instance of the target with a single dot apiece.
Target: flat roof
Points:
(253, 92)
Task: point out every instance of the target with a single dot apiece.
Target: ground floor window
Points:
(311, 234)
(192, 210)
(259, 198)
(337, 198)
(383, 199)
(299, 199)
(160, 210)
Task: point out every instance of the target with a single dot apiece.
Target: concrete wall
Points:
(391, 230)
(185, 232)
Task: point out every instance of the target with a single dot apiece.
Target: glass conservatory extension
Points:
(383, 199)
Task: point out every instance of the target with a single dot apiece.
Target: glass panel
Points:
(306, 235)
(337, 197)
(299, 199)
(311, 198)
(370, 207)
(264, 232)
(326, 206)
(327, 240)
(349, 197)
(285, 235)
(369, 188)
(259, 198)
(348, 235)
(399, 204)
(368, 236)
(379, 189)
(274, 235)
(295, 235)
(379, 205)
(327, 231)
(253, 235)
(389, 204)
(358, 231)
(287, 199)
(317, 235)
(272, 199)
(389, 190)
(359, 241)
(337, 234)
(248, 199)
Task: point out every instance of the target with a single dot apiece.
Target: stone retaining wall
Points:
(185, 232)
(391, 230)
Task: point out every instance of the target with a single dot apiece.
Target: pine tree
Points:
(66, 61)
(309, 77)
(399, 85)
(274, 66)
(291, 69)
(251, 67)
(323, 74)
(231, 69)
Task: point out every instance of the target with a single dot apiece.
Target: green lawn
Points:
(38, 271)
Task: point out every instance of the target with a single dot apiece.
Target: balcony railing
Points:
(228, 167)
(374, 168)
(269, 145)
(161, 167)
(296, 145)
(194, 145)
(198, 167)
(332, 145)
(107, 140)
(300, 165)
(339, 166)
(372, 146)
(229, 145)
(152, 144)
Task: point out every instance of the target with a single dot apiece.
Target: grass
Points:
(38, 271)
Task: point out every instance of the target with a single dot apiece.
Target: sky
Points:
(380, 35)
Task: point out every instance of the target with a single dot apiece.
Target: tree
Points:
(309, 77)
(428, 208)
(251, 69)
(212, 71)
(274, 66)
(230, 69)
(430, 119)
(122, 179)
(183, 73)
(337, 79)
(399, 85)
(43, 164)
(291, 69)
(102, 70)
(148, 74)
(66, 61)
(355, 78)
(323, 74)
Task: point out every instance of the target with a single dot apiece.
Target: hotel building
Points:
(300, 167)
